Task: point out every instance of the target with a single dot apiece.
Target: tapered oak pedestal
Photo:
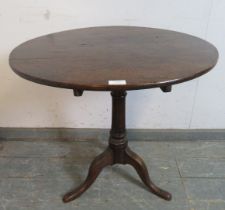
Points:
(117, 152)
(116, 59)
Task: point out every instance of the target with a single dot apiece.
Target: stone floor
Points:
(35, 174)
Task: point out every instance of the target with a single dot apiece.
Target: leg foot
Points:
(104, 159)
(134, 160)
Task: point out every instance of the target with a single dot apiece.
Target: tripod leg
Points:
(134, 160)
(104, 159)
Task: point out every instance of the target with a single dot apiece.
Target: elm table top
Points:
(88, 58)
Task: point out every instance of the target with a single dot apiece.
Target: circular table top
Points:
(113, 58)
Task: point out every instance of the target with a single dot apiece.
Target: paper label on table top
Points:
(117, 82)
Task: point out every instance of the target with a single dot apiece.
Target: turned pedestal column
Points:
(117, 152)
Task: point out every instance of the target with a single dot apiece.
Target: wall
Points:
(199, 103)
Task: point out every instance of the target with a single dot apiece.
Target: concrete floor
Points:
(35, 174)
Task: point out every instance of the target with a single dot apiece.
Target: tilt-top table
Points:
(116, 59)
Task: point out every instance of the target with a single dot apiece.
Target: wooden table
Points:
(115, 59)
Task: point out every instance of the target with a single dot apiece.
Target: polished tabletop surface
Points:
(113, 58)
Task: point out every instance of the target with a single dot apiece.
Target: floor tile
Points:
(202, 167)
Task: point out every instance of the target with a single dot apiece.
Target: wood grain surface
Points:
(86, 59)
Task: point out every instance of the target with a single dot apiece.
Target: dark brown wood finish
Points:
(118, 152)
(86, 59)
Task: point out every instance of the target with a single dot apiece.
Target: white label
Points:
(117, 82)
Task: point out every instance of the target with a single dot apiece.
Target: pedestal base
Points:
(118, 152)
(110, 157)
